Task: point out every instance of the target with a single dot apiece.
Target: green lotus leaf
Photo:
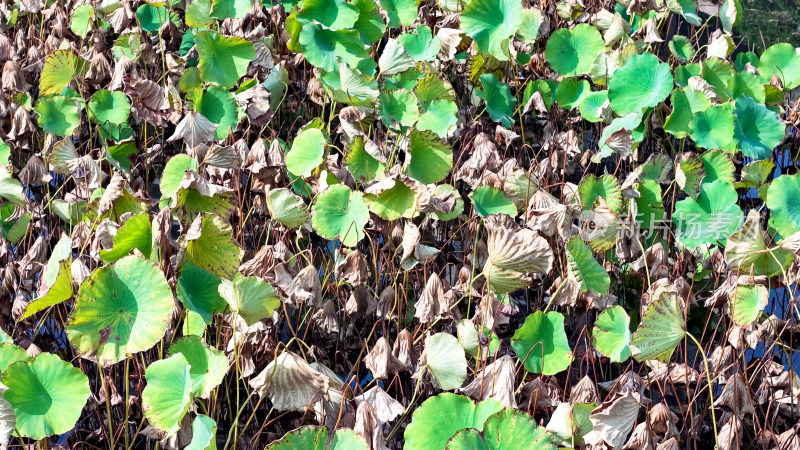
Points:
(339, 213)
(136, 233)
(405, 80)
(572, 52)
(323, 48)
(758, 130)
(223, 60)
(370, 24)
(746, 83)
(499, 101)
(58, 290)
(755, 174)
(287, 208)
(747, 251)
(394, 59)
(661, 330)
(219, 106)
(10, 353)
(442, 189)
(168, 393)
(584, 269)
(207, 365)
(60, 68)
(630, 122)
(209, 245)
(430, 158)
(393, 203)
(422, 45)
(782, 61)
(122, 156)
(119, 310)
(440, 118)
(570, 92)
(594, 106)
(717, 165)
(445, 360)
(13, 226)
(685, 103)
(541, 343)
(398, 108)
(204, 433)
(783, 201)
(532, 20)
(307, 152)
(490, 23)
(605, 65)
(250, 297)
(47, 395)
(234, 9)
(611, 334)
(334, 14)
(684, 72)
(606, 186)
(507, 429)
(643, 82)
(151, 18)
(109, 107)
(352, 87)
(317, 438)
(198, 14)
(717, 72)
(468, 337)
(400, 12)
(173, 173)
(490, 200)
(681, 47)
(11, 189)
(432, 89)
(438, 418)
(570, 423)
(198, 291)
(712, 128)
(58, 115)
(711, 218)
(746, 303)
(82, 20)
(360, 163)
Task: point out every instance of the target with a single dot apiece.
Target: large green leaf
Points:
(781, 60)
(783, 201)
(59, 69)
(713, 128)
(82, 20)
(542, 343)
(198, 291)
(307, 152)
(339, 213)
(173, 173)
(611, 334)
(219, 106)
(136, 233)
(234, 9)
(505, 430)
(210, 246)
(287, 208)
(58, 115)
(10, 188)
(747, 251)
(334, 14)
(572, 52)
(317, 438)
(204, 433)
(360, 163)
(47, 395)
(661, 330)
(207, 365)
(444, 358)
(584, 269)
(491, 23)
(717, 165)
(747, 302)
(398, 107)
(323, 48)
(250, 297)
(489, 200)
(393, 203)
(168, 393)
(499, 101)
(758, 130)
(120, 309)
(709, 219)
(436, 420)
(643, 82)
(605, 186)
(109, 107)
(400, 12)
(430, 158)
(223, 60)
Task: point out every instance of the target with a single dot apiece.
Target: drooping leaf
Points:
(781, 60)
(747, 251)
(287, 208)
(209, 245)
(198, 291)
(60, 68)
(513, 254)
(445, 359)
(490, 200)
(606, 186)
(204, 433)
(393, 203)
(541, 343)
(747, 302)
(168, 393)
(499, 101)
(758, 130)
(662, 328)
(430, 158)
(136, 233)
